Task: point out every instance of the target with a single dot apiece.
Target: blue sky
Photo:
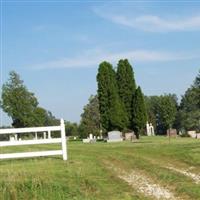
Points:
(56, 47)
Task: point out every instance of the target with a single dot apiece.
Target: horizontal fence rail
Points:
(30, 130)
(30, 154)
(15, 142)
(29, 142)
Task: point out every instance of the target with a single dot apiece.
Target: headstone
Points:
(150, 129)
(13, 137)
(36, 136)
(192, 134)
(90, 139)
(86, 140)
(172, 132)
(16, 137)
(115, 136)
(91, 136)
(130, 136)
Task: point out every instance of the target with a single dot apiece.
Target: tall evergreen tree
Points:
(103, 79)
(118, 116)
(126, 86)
(139, 112)
(112, 114)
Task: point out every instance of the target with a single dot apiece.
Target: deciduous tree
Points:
(90, 118)
(18, 102)
(189, 112)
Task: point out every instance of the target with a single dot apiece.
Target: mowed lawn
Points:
(115, 171)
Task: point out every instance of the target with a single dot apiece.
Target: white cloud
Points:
(93, 58)
(153, 23)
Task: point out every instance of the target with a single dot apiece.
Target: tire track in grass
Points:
(186, 172)
(193, 176)
(143, 184)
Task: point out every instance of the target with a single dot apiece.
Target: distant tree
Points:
(152, 103)
(18, 102)
(139, 112)
(71, 129)
(126, 87)
(39, 117)
(51, 119)
(197, 88)
(42, 117)
(90, 118)
(189, 111)
(167, 111)
(197, 81)
(112, 113)
(162, 111)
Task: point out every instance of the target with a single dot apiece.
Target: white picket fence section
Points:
(35, 130)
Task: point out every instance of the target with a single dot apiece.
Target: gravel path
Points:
(195, 177)
(144, 184)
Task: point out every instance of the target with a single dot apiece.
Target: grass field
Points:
(149, 169)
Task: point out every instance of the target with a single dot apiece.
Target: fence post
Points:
(63, 137)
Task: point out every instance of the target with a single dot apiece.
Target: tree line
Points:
(118, 105)
(163, 111)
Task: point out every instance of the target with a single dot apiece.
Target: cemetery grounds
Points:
(148, 169)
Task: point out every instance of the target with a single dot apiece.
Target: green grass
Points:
(86, 174)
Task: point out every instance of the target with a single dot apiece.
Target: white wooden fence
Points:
(44, 140)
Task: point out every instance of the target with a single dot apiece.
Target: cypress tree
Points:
(139, 112)
(103, 80)
(118, 117)
(112, 114)
(126, 87)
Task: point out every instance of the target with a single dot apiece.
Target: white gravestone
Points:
(36, 136)
(150, 129)
(91, 136)
(87, 140)
(194, 134)
(115, 136)
(90, 139)
(13, 137)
